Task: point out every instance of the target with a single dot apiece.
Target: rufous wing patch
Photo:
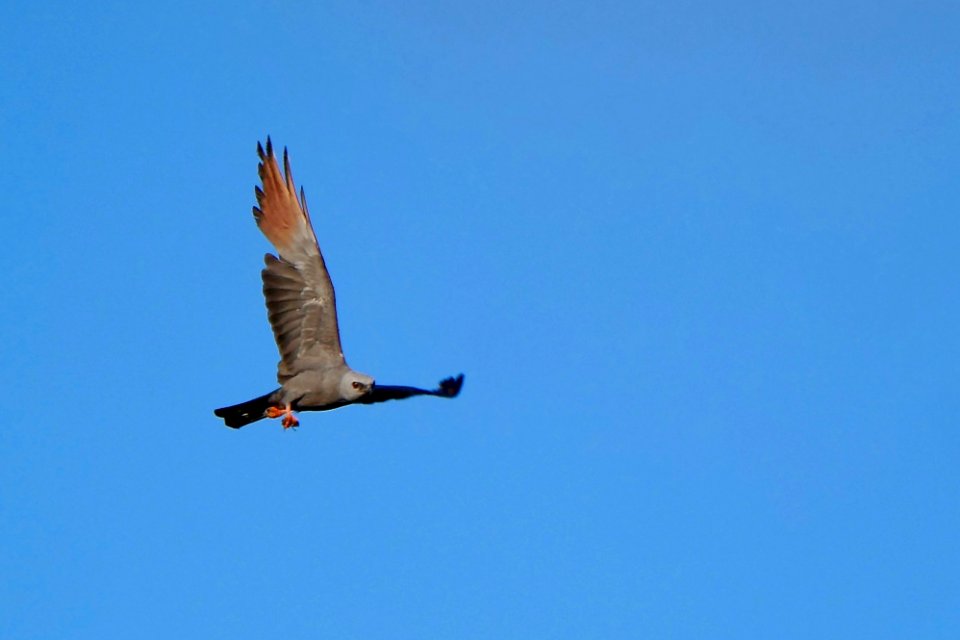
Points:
(278, 212)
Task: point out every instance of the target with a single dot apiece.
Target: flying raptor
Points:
(302, 309)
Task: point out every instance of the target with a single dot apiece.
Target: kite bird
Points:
(302, 310)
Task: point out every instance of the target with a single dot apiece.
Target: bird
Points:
(302, 309)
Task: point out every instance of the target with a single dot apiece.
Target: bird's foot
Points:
(289, 420)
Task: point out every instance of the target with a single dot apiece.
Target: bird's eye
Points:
(357, 385)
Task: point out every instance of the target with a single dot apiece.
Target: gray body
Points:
(328, 388)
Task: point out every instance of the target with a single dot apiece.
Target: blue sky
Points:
(697, 261)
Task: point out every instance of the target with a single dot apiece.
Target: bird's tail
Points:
(242, 414)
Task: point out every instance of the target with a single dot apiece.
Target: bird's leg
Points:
(289, 420)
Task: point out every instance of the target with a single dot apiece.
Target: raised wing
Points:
(301, 304)
(449, 388)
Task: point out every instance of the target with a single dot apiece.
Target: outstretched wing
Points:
(301, 305)
(449, 388)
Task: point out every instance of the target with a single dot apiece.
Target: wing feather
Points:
(301, 304)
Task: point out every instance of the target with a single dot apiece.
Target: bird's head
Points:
(355, 385)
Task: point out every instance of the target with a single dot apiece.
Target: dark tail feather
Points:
(244, 413)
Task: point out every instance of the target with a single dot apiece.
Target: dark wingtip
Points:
(287, 173)
(269, 146)
(450, 387)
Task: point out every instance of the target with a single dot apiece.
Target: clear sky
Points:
(698, 261)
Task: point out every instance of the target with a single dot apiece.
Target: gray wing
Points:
(301, 304)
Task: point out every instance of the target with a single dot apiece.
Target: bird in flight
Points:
(302, 309)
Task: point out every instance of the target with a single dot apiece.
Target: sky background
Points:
(698, 262)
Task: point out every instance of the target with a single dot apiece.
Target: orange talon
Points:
(289, 420)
